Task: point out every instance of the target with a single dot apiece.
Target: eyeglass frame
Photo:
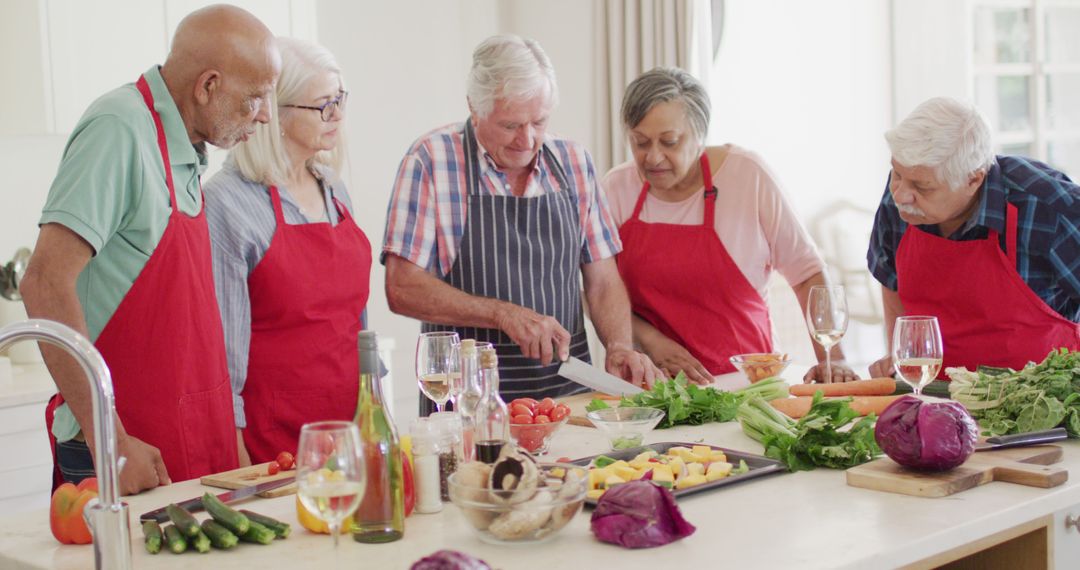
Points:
(335, 103)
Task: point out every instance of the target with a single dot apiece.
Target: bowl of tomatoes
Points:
(533, 423)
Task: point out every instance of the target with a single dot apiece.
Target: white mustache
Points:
(910, 210)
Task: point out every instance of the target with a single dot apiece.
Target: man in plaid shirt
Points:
(493, 225)
(990, 245)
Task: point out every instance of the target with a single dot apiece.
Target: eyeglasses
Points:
(326, 110)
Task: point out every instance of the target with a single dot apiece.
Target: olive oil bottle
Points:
(381, 514)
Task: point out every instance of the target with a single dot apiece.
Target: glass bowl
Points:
(535, 438)
(625, 427)
(498, 518)
(758, 366)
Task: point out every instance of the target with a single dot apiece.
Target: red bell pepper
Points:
(407, 483)
(66, 511)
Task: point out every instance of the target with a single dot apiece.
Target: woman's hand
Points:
(671, 357)
(841, 372)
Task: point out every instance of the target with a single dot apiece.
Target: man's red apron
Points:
(165, 348)
(988, 314)
(307, 295)
(682, 280)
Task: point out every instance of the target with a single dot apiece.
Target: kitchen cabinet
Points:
(1065, 537)
(66, 53)
(26, 463)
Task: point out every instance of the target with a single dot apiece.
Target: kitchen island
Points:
(792, 520)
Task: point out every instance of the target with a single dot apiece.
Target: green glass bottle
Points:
(381, 515)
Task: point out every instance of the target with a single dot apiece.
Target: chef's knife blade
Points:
(196, 504)
(592, 377)
(1022, 439)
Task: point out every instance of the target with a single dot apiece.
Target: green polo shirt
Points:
(110, 190)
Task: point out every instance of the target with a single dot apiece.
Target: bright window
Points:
(1026, 77)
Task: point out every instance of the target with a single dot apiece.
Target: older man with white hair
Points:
(490, 223)
(990, 245)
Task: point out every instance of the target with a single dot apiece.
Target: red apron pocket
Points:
(214, 450)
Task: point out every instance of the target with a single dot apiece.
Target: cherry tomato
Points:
(285, 460)
(545, 406)
(521, 419)
(273, 468)
(520, 410)
(563, 460)
(527, 402)
(560, 412)
(541, 419)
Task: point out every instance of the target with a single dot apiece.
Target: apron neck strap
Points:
(163, 146)
(1011, 215)
(710, 194)
(275, 200)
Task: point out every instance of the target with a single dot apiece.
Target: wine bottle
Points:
(381, 514)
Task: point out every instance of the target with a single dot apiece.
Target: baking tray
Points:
(760, 466)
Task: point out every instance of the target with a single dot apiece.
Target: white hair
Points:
(262, 158)
(950, 136)
(509, 67)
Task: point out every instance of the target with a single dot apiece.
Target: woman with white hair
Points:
(990, 245)
(290, 265)
(703, 228)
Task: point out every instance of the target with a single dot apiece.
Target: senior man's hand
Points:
(538, 336)
(634, 367)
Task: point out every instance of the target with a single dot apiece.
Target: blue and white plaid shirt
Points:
(1048, 230)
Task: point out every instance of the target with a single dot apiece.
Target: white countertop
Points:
(799, 520)
(30, 384)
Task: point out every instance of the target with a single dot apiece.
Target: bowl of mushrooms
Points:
(516, 499)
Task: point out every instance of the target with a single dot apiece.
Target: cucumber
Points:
(219, 536)
(230, 519)
(258, 534)
(183, 520)
(175, 540)
(201, 542)
(281, 529)
(151, 536)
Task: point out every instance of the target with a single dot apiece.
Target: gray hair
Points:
(663, 84)
(262, 158)
(950, 136)
(509, 67)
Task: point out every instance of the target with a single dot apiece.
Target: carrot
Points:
(864, 405)
(872, 387)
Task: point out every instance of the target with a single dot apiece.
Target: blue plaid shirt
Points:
(1048, 230)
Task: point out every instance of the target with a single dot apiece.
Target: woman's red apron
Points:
(682, 280)
(988, 314)
(307, 295)
(165, 348)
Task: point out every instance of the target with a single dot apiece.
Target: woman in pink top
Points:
(697, 257)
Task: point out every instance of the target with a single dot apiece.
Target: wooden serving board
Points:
(1021, 465)
(251, 475)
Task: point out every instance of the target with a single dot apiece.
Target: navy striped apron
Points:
(525, 251)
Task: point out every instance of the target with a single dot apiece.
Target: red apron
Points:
(682, 280)
(988, 314)
(165, 347)
(307, 295)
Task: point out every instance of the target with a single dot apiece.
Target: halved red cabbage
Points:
(450, 560)
(639, 514)
(929, 434)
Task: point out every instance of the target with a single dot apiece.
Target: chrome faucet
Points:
(108, 517)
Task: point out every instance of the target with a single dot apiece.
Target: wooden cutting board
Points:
(250, 475)
(577, 404)
(1021, 465)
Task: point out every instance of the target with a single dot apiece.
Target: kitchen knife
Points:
(1022, 439)
(592, 377)
(196, 504)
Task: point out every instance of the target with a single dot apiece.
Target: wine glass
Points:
(917, 350)
(827, 319)
(330, 474)
(436, 363)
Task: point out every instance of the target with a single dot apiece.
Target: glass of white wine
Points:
(437, 360)
(917, 350)
(330, 474)
(827, 319)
